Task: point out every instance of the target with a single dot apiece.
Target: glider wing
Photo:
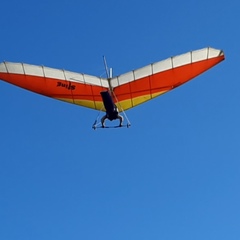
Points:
(80, 89)
(130, 89)
(141, 85)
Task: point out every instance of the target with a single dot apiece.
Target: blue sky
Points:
(173, 175)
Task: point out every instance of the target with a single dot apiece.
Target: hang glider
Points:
(124, 91)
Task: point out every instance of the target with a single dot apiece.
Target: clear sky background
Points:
(174, 174)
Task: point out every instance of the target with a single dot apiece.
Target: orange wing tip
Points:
(215, 53)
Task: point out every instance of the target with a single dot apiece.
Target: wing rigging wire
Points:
(122, 110)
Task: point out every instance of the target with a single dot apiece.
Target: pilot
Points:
(113, 115)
